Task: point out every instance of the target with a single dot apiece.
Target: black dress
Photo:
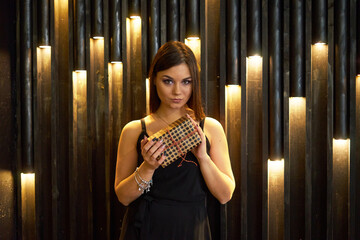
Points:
(175, 206)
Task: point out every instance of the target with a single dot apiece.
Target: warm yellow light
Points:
(254, 65)
(320, 47)
(45, 47)
(79, 78)
(342, 143)
(297, 102)
(275, 198)
(232, 89)
(135, 17)
(193, 38)
(116, 65)
(232, 105)
(254, 60)
(195, 45)
(98, 37)
(28, 178)
(116, 62)
(28, 215)
(134, 23)
(358, 76)
(319, 44)
(255, 57)
(276, 162)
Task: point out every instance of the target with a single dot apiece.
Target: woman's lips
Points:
(176, 100)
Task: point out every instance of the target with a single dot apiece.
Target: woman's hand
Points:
(151, 153)
(200, 150)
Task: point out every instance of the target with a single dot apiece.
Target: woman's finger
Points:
(155, 147)
(157, 154)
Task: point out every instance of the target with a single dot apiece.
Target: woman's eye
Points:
(186, 82)
(167, 81)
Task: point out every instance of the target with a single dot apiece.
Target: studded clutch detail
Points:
(180, 137)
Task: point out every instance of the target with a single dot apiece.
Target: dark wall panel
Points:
(8, 128)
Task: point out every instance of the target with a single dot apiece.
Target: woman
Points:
(170, 203)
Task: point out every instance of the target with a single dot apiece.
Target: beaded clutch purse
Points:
(179, 137)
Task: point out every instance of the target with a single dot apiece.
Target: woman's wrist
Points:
(146, 171)
(204, 158)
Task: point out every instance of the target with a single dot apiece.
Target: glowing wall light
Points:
(195, 45)
(316, 165)
(28, 206)
(341, 145)
(253, 161)
(275, 198)
(340, 188)
(295, 169)
(233, 134)
(134, 73)
(115, 71)
(79, 111)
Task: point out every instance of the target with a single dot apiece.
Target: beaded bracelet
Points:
(142, 184)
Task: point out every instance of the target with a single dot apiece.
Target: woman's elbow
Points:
(226, 196)
(121, 199)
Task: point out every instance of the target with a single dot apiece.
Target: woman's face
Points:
(174, 86)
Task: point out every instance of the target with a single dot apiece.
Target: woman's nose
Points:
(176, 89)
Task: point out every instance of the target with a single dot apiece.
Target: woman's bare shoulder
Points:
(131, 130)
(212, 124)
(213, 129)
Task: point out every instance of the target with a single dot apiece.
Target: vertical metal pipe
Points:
(319, 15)
(27, 130)
(297, 48)
(134, 8)
(254, 28)
(192, 18)
(341, 71)
(79, 35)
(43, 23)
(276, 29)
(115, 32)
(97, 19)
(233, 42)
(154, 30)
(173, 20)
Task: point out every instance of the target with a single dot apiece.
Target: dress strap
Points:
(202, 123)
(143, 126)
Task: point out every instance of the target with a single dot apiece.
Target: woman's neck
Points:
(169, 114)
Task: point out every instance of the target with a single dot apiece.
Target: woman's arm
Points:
(126, 186)
(216, 168)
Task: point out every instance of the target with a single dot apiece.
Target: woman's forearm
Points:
(219, 184)
(132, 187)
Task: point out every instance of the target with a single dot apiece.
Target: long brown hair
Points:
(169, 55)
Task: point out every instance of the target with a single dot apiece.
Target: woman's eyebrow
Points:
(166, 76)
